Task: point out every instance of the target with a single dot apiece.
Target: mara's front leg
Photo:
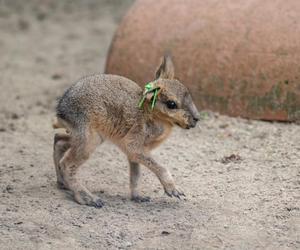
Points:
(162, 173)
(135, 173)
(134, 145)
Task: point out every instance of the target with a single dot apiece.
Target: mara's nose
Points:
(196, 119)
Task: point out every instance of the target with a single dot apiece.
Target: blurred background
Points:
(240, 176)
(45, 45)
(237, 58)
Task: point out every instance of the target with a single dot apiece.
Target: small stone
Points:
(223, 126)
(41, 16)
(231, 158)
(56, 76)
(23, 24)
(14, 116)
(128, 244)
(9, 189)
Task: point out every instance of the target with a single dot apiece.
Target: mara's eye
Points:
(171, 104)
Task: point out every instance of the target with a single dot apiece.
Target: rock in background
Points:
(238, 58)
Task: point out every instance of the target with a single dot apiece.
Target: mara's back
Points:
(110, 100)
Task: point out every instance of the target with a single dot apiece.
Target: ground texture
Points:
(241, 178)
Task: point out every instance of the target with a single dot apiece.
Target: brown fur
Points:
(102, 107)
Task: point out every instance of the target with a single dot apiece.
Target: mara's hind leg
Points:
(61, 145)
(83, 143)
(135, 173)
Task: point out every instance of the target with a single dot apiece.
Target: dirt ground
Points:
(241, 178)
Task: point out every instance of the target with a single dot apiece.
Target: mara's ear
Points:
(166, 68)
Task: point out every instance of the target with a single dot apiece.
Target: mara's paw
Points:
(98, 203)
(140, 199)
(61, 185)
(84, 198)
(174, 193)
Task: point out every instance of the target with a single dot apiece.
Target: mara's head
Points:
(173, 102)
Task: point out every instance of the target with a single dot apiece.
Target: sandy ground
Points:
(247, 201)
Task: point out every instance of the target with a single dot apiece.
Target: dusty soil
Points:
(241, 177)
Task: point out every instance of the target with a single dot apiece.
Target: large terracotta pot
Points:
(237, 57)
